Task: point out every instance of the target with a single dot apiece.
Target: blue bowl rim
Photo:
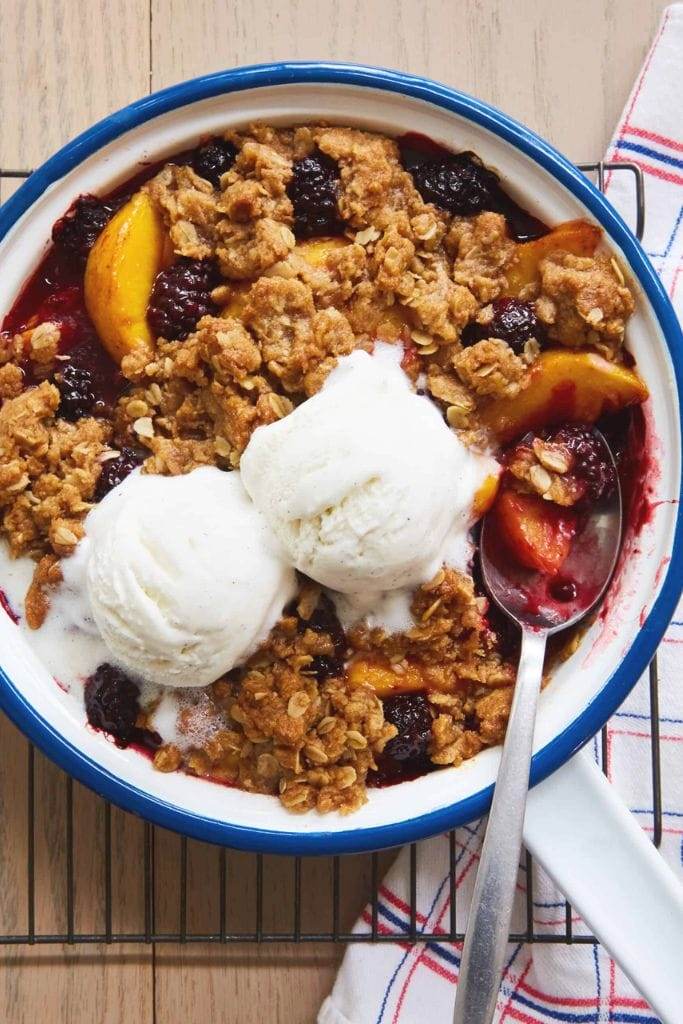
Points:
(590, 721)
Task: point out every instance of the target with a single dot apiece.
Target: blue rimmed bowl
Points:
(616, 649)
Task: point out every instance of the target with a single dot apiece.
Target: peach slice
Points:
(378, 673)
(485, 496)
(238, 299)
(316, 250)
(578, 386)
(120, 273)
(536, 533)
(578, 237)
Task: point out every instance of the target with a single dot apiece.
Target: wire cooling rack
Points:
(162, 878)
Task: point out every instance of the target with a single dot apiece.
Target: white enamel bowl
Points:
(586, 689)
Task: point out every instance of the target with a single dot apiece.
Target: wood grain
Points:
(565, 69)
(64, 65)
(114, 983)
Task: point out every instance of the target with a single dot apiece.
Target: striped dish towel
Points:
(547, 984)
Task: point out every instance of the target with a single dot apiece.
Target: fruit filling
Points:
(112, 703)
(507, 319)
(551, 481)
(253, 406)
(536, 534)
(181, 296)
(314, 192)
(213, 159)
(76, 232)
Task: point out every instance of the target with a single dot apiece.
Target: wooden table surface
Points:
(564, 68)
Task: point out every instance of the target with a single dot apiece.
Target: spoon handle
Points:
(488, 923)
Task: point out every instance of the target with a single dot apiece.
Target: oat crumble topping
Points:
(403, 271)
(48, 472)
(584, 301)
(491, 368)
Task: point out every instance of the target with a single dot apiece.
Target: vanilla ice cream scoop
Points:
(365, 485)
(183, 577)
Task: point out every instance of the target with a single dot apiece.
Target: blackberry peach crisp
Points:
(165, 377)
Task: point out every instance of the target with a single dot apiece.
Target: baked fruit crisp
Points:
(253, 405)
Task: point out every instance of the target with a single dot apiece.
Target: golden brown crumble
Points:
(296, 341)
(11, 380)
(189, 206)
(48, 472)
(544, 468)
(451, 642)
(374, 185)
(37, 346)
(482, 253)
(458, 403)
(42, 343)
(47, 576)
(275, 729)
(246, 225)
(404, 272)
(199, 400)
(584, 301)
(441, 306)
(281, 732)
(491, 369)
(247, 250)
(392, 256)
(493, 711)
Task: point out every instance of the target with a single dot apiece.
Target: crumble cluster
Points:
(274, 728)
(543, 467)
(584, 300)
(48, 471)
(566, 466)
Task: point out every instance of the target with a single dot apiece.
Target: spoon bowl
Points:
(553, 603)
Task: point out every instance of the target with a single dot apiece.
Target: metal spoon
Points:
(523, 595)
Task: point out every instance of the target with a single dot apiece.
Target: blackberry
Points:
(325, 667)
(411, 714)
(406, 756)
(458, 183)
(314, 191)
(115, 471)
(513, 321)
(181, 296)
(89, 382)
(471, 721)
(112, 703)
(563, 590)
(77, 392)
(213, 159)
(76, 232)
(442, 178)
(592, 464)
(325, 620)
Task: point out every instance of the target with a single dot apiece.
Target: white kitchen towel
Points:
(547, 984)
